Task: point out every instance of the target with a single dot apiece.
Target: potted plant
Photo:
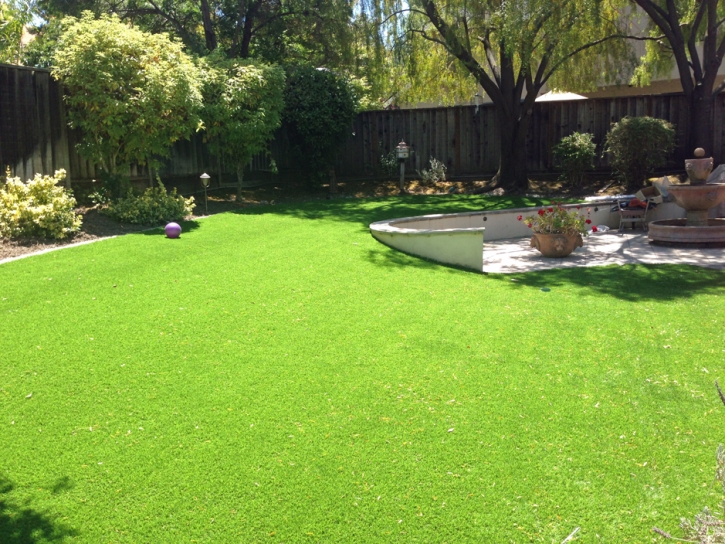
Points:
(557, 230)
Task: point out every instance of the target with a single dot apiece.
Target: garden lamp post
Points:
(205, 182)
(402, 152)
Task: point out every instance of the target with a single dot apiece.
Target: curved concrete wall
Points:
(457, 238)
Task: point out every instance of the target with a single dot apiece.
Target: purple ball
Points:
(173, 230)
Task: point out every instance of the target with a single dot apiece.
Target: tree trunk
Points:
(512, 172)
(702, 103)
(247, 31)
(240, 180)
(209, 33)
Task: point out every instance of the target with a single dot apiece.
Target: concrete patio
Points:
(601, 249)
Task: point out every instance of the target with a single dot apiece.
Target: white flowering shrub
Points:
(37, 207)
(153, 207)
(437, 173)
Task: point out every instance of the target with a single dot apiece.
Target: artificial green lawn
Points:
(280, 376)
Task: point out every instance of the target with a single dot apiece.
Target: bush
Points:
(575, 154)
(638, 145)
(319, 109)
(153, 207)
(38, 207)
(436, 173)
(130, 93)
(389, 164)
(243, 105)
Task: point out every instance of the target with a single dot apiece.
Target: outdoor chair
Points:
(632, 216)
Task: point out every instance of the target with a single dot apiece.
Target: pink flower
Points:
(594, 228)
(578, 207)
(541, 212)
(528, 225)
(520, 217)
(551, 210)
(588, 221)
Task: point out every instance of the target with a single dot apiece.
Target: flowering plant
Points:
(558, 220)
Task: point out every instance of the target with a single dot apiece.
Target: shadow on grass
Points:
(635, 283)
(20, 524)
(186, 226)
(394, 258)
(369, 210)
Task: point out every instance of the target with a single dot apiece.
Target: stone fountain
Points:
(697, 197)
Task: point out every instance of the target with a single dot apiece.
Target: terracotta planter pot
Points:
(556, 245)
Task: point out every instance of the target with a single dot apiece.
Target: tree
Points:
(270, 30)
(512, 49)
(14, 15)
(180, 18)
(319, 110)
(681, 26)
(243, 105)
(132, 94)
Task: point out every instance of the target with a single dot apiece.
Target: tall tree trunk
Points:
(248, 28)
(240, 181)
(512, 129)
(702, 103)
(513, 119)
(209, 33)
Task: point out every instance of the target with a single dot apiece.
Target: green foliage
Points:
(436, 173)
(661, 54)
(319, 110)
(132, 94)
(243, 105)
(408, 64)
(155, 206)
(389, 163)
(557, 220)
(40, 51)
(637, 146)
(14, 15)
(38, 207)
(575, 154)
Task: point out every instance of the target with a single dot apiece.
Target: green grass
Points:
(280, 376)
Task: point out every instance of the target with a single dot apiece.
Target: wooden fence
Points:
(465, 138)
(34, 136)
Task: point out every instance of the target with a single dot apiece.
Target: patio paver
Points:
(601, 249)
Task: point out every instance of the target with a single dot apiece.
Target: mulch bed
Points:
(96, 225)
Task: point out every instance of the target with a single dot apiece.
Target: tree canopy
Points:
(319, 109)
(691, 35)
(133, 94)
(14, 15)
(242, 108)
(511, 49)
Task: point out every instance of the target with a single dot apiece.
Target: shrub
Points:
(38, 207)
(638, 145)
(153, 207)
(319, 110)
(575, 154)
(436, 173)
(243, 105)
(389, 164)
(132, 94)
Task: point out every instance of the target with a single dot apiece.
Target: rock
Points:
(718, 175)
(498, 191)
(452, 190)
